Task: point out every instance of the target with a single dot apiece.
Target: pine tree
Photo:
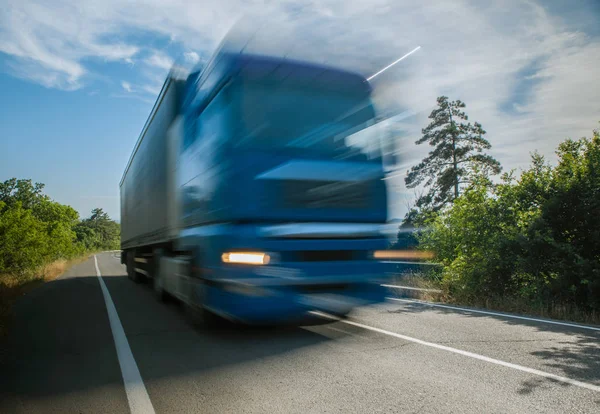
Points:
(458, 151)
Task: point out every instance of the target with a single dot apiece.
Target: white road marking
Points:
(345, 332)
(137, 396)
(437, 305)
(559, 378)
(412, 288)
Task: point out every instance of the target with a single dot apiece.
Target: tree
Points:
(98, 231)
(458, 152)
(24, 240)
(23, 191)
(99, 215)
(35, 230)
(535, 238)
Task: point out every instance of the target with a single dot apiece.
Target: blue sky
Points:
(78, 79)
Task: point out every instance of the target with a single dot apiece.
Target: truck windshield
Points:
(323, 121)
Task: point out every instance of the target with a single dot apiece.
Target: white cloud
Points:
(191, 57)
(47, 41)
(126, 86)
(159, 60)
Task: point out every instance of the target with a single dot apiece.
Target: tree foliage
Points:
(536, 237)
(34, 230)
(98, 231)
(457, 153)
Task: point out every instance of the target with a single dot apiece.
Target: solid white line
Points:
(470, 354)
(437, 305)
(413, 288)
(137, 396)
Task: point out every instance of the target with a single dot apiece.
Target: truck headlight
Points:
(251, 258)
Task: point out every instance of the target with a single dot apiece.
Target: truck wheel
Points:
(131, 273)
(159, 292)
(157, 280)
(197, 315)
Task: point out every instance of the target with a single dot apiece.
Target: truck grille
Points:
(323, 255)
(325, 194)
(323, 288)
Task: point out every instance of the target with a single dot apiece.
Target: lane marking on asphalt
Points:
(137, 396)
(525, 318)
(559, 378)
(346, 332)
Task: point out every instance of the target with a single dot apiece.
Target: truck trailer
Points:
(255, 192)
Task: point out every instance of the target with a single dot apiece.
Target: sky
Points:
(79, 78)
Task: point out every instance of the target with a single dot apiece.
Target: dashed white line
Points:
(137, 396)
(559, 378)
(504, 315)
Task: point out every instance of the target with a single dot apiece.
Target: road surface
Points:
(68, 354)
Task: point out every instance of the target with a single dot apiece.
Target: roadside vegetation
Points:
(526, 243)
(41, 238)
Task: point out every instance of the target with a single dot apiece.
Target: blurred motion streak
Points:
(256, 189)
(403, 254)
(393, 63)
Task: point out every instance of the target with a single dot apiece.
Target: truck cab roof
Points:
(225, 65)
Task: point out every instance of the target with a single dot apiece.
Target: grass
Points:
(515, 305)
(12, 287)
(420, 281)
(558, 311)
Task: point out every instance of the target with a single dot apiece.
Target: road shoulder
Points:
(60, 355)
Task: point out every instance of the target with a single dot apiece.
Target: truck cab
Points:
(256, 192)
(281, 189)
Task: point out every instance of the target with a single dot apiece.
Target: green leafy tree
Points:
(99, 231)
(98, 215)
(24, 240)
(572, 221)
(23, 191)
(535, 238)
(34, 230)
(457, 153)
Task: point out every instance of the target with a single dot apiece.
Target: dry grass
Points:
(522, 306)
(505, 304)
(13, 287)
(417, 280)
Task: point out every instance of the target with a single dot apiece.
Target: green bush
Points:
(24, 240)
(536, 238)
(35, 231)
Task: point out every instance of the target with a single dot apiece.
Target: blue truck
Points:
(255, 192)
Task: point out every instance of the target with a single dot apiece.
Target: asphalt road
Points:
(399, 357)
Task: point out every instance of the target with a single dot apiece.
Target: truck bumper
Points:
(257, 305)
(252, 298)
